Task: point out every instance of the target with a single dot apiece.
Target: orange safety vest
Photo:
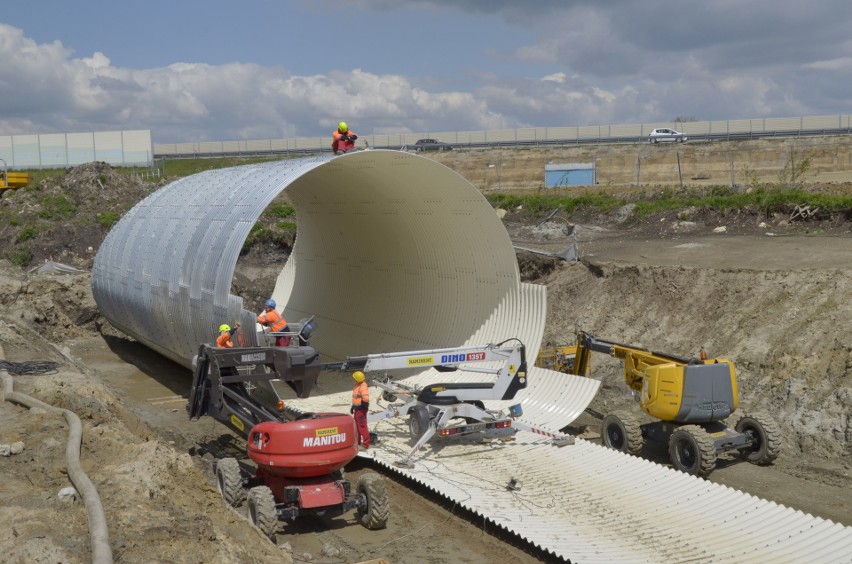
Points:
(224, 340)
(335, 138)
(361, 393)
(274, 319)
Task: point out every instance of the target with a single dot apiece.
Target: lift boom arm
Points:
(511, 376)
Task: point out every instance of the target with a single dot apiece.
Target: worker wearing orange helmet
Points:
(360, 406)
(224, 341)
(343, 139)
(275, 321)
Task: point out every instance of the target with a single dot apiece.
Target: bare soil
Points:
(770, 293)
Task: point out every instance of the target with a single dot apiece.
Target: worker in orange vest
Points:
(343, 140)
(225, 333)
(360, 405)
(275, 321)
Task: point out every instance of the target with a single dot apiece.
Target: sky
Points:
(215, 70)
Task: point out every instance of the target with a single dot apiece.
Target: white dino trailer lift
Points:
(452, 409)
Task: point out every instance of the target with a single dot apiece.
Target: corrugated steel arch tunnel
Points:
(394, 252)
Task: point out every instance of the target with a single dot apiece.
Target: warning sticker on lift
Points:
(421, 360)
(327, 431)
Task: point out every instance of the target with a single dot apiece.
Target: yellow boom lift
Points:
(692, 399)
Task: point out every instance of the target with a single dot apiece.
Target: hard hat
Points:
(342, 127)
(269, 303)
(358, 376)
(224, 327)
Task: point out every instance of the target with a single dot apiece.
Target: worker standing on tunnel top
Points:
(343, 140)
(275, 321)
(225, 333)
(360, 405)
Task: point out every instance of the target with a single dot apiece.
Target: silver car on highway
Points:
(666, 134)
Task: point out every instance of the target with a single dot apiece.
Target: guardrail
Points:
(698, 130)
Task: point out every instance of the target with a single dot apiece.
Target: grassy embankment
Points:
(277, 224)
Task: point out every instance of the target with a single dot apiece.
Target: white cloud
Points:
(581, 63)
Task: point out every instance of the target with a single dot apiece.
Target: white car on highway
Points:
(666, 134)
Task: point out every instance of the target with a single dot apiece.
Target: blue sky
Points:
(258, 69)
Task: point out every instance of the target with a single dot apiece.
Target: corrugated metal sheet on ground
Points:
(586, 503)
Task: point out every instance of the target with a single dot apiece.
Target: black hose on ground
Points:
(98, 532)
(29, 367)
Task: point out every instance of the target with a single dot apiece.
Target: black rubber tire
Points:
(229, 481)
(372, 487)
(418, 421)
(765, 431)
(621, 431)
(692, 450)
(261, 510)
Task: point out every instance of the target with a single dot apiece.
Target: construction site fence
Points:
(785, 162)
(708, 130)
(57, 150)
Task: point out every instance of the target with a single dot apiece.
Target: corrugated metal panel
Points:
(585, 503)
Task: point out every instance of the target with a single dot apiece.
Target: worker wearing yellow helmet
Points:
(360, 406)
(225, 334)
(342, 139)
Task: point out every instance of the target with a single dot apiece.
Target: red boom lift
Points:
(300, 462)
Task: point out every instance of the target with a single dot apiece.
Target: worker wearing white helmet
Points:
(360, 406)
